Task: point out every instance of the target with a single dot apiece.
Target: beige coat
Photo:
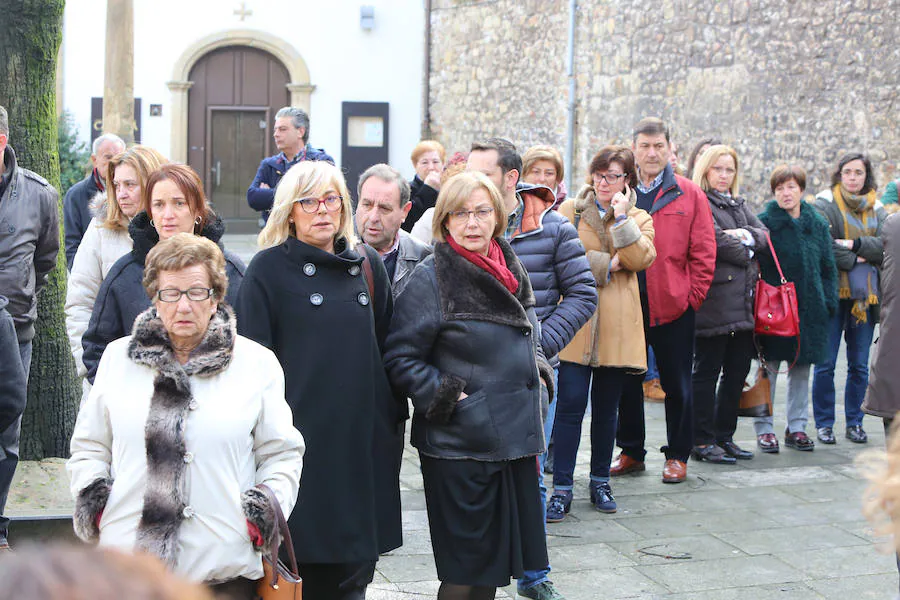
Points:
(614, 337)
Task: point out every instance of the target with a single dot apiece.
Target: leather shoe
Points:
(712, 453)
(799, 440)
(732, 449)
(674, 471)
(767, 442)
(625, 464)
(825, 435)
(857, 435)
(653, 392)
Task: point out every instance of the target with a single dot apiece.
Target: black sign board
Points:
(97, 119)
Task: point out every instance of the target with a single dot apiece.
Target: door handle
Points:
(218, 172)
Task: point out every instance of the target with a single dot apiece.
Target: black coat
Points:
(77, 213)
(313, 310)
(13, 384)
(729, 303)
(456, 328)
(422, 197)
(122, 296)
(804, 250)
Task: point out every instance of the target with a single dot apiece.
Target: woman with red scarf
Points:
(464, 346)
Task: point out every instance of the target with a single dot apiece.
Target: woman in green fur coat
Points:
(803, 245)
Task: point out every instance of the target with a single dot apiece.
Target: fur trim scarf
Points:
(164, 497)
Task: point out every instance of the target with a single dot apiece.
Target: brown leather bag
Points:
(280, 581)
(756, 399)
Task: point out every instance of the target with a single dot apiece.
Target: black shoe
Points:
(548, 461)
(732, 449)
(713, 454)
(799, 441)
(857, 435)
(826, 435)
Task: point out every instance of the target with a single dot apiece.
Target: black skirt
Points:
(485, 519)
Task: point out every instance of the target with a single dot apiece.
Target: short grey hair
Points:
(4, 122)
(106, 137)
(299, 118)
(388, 174)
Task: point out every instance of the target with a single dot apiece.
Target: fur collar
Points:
(776, 217)
(164, 497)
(469, 292)
(145, 236)
(97, 206)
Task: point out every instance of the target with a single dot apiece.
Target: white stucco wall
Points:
(346, 63)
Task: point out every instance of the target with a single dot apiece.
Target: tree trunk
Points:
(30, 35)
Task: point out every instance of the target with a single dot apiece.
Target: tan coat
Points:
(614, 337)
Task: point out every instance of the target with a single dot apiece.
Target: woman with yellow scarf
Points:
(855, 219)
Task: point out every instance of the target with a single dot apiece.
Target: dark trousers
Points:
(715, 411)
(673, 345)
(605, 385)
(9, 448)
(338, 581)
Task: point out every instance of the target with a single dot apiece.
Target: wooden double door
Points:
(231, 112)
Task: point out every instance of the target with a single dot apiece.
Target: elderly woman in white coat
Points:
(106, 239)
(184, 420)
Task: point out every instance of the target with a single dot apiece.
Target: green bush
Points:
(74, 156)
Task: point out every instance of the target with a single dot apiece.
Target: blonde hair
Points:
(181, 251)
(881, 500)
(428, 146)
(548, 153)
(455, 192)
(144, 160)
(58, 572)
(303, 180)
(708, 159)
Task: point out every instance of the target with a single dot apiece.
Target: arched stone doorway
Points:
(225, 90)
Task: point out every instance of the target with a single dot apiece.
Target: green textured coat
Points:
(804, 250)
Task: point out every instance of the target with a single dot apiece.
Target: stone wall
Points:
(800, 81)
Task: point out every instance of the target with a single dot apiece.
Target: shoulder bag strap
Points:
(285, 532)
(775, 258)
(577, 218)
(368, 274)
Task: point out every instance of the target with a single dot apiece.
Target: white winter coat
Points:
(237, 431)
(99, 250)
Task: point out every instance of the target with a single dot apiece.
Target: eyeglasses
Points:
(462, 216)
(310, 205)
(609, 178)
(194, 294)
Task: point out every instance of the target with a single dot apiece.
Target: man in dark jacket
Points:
(551, 252)
(384, 203)
(291, 134)
(672, 289)
(29, 243)
(76, 204)
(12, 375)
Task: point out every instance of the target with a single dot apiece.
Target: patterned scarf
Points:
(861, 283)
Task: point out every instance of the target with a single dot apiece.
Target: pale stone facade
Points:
(782, 81)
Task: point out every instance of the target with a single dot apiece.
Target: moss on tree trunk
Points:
(30, 35)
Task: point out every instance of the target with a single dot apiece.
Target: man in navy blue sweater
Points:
(291, 134)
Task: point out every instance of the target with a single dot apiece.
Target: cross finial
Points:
(242, 12)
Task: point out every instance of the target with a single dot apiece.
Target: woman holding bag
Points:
(802, 244)
(724, 330)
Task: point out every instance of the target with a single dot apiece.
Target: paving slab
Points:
(694, 523)
(806, 537)
(608, 584)
(863, 587)
(781, 591)
(693, 576)
(674, 550)
(837, 563)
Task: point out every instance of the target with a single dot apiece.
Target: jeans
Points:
(9, 448)
(859, 340)
(532, 578)
(797, 399)
(652, 370)
(715, 411)
(673, 344)
(606, 386)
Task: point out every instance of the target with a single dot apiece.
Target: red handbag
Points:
(775, 310)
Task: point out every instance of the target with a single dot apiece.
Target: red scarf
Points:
(494, 263)
(98, 181)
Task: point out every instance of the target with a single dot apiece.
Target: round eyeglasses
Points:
(310, 205)
(194, 294)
